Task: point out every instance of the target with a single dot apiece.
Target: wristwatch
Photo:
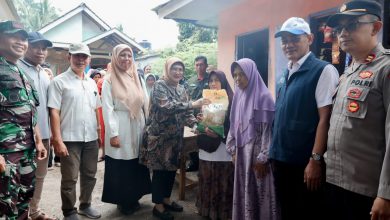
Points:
(316, 157)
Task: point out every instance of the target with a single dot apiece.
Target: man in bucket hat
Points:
(20, 141)
(73, 102)
(358, 155)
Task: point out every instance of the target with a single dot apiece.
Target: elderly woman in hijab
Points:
(249, 138)
(170, 111)
(124, 107)
(216, 172)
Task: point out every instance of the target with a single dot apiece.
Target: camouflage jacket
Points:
(18, 113)
(195, 88)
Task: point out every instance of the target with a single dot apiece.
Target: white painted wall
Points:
(5, 11)
(90, 29)
(69, 31)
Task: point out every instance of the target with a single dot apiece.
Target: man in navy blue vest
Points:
(303, 107)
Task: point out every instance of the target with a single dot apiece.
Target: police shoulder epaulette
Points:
(386, 51)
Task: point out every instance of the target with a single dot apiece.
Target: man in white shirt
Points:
(303, 106)
(73, 102)
(31, 65)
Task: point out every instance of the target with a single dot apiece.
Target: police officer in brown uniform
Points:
(358, 155)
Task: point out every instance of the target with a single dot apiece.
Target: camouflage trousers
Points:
(17, 184)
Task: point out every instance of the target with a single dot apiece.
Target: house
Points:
(8, 11)
(246, 28)
(81, 24)
(147, 59)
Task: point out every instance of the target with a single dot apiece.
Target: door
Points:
(255, 47)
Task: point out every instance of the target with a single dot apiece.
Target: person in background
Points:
(303, 106)
(216, 171)
(101, 120)
(49, 72)
(20, 140)
(150, 80)
(147, 69)
(73, 103)
(195, 86)
(95, 75)
(124, 108)
(358, 154)
(170, 111)
(251, 117)
(31, 65)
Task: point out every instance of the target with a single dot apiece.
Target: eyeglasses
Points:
(350, 27)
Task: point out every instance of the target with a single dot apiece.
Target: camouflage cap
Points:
(12, 27)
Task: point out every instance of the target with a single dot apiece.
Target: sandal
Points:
(43, 216)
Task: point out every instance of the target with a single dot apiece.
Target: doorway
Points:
(254, 46)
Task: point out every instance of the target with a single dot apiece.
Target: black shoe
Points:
(128, 210)
(174, 207)
(165, 215)
(192, 167)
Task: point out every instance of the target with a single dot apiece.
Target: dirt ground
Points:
(51, 200)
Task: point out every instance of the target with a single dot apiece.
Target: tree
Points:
(187, 53)
(194, 41)
(119, 27)
(196, 34)
(34, 15)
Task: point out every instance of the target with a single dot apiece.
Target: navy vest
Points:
(296, 116)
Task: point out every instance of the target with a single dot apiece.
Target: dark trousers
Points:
(17, 184)
(296, 201)
(343, 204)
(162, 184)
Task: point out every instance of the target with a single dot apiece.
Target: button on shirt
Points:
(41, 82)
(358, 154)
(77, 99)
(327, 82)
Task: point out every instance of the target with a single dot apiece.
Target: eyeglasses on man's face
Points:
(351, 26)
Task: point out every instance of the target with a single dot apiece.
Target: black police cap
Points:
(356, 9)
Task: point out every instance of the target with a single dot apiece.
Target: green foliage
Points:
(192, 33)
(194, 41)
(35, 14)
(120, 27)
(187, 52)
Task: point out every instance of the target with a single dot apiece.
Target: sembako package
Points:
(214, 113)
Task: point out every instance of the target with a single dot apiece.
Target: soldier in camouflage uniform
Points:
(19, 136)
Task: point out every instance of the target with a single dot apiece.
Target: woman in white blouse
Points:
(124, 106)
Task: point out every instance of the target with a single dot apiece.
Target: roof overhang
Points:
(82, 8)
(106, 41)
(199, 12)
(118, 38)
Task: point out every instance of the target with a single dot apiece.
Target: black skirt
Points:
(125, 181)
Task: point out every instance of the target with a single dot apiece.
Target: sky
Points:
(136, 17)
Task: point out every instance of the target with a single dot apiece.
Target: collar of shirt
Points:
(37, 68)
(292, 68)
(10, 65)
(205, 76)
(71, 73)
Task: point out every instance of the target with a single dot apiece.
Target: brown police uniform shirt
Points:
(358, 155)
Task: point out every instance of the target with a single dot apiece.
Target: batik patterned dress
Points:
(170, 111)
